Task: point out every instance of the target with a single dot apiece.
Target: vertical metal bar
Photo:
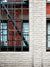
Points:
(7, 35)
(12, 24)
(22, 24)
(7, 27)
(0, 25)
(14, 29)
(0, 9)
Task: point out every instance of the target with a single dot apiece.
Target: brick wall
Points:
(41, 58)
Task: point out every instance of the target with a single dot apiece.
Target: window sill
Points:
(47, 49)
(11, 48)
(48, 2)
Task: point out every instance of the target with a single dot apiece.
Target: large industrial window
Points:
(48, 25)
(14, 25)
(48, 34)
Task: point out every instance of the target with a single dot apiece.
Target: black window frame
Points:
(18, 48)
(47, 48)
(11, 48)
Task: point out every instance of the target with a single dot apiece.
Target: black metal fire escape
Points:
(13, 21)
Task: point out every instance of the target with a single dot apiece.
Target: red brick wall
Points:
(48, 9)
(15, 36)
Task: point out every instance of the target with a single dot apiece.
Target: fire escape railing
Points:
(13, 3)
(13, 21)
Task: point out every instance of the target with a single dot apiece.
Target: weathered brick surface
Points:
(41, 58)
(15, 59)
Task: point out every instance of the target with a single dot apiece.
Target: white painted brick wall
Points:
(15, 59)
(41, 58)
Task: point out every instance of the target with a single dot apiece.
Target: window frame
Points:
(26, 21)
(47, 48)
(4, 21)
(18, 48)
(21, 19)
(47, 1)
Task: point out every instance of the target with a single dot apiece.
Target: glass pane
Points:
(48, 0)
(48, 43)
(24, 44)
(4, 0)
(26, 36)
(3, 34)
(48, 31)
(1, 38)
(4, 27)
(4, 43)
(1, 26)
(48, 37)
(48, 28)
(4, 38)
(25, 25)
(26, 32)
(4, 24)
(4, 31)
(1, 31)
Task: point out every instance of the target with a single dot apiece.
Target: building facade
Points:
(14, 51)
